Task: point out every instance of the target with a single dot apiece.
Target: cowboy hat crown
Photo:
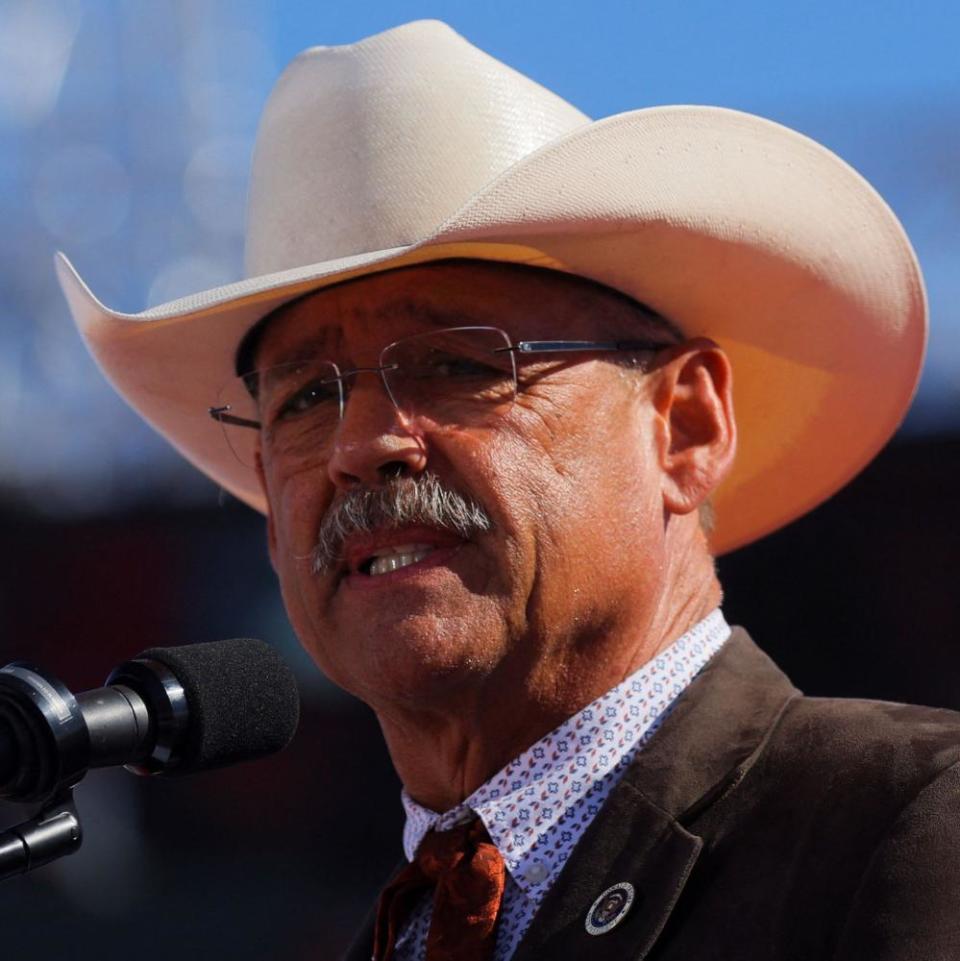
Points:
(373, 146)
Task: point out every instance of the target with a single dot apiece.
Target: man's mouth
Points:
(369, 556)
(405, 516)
(392, 558)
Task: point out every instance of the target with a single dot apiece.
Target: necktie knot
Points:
(442, 852)
(467, 874)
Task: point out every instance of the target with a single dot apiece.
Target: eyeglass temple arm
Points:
(221, 414)
(569, 346)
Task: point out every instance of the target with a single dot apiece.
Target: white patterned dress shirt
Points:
(540, 804)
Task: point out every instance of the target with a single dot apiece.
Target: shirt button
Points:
(537, 873)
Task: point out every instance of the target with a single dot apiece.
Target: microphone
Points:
(171, 710)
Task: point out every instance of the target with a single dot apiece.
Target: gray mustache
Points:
(403, 501)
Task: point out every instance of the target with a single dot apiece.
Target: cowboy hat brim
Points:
(732, 226)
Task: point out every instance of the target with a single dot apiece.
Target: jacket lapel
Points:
(699, 754)
(632, 841)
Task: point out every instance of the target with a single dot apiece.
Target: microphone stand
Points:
(54, 832)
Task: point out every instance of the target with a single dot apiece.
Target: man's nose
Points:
(374, 441)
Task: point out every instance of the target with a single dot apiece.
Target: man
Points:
(481, 380)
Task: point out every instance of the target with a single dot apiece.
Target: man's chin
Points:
(417, 662)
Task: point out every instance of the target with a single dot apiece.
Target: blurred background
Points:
(125, 135)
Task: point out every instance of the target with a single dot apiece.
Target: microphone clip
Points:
(53, 833)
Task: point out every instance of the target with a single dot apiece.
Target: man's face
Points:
(568, 476)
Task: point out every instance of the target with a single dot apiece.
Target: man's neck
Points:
(443, 755)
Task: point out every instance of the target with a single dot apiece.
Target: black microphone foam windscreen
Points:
(241, 696)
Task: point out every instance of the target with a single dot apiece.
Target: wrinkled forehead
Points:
(322, 324)
(368, 312)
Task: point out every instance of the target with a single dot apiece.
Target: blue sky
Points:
(611, 56)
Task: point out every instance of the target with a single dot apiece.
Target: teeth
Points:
(398, 557)
(400, 549)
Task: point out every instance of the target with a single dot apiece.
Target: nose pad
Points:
(374, 441)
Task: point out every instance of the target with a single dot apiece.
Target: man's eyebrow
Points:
(327, 340)
(434, 315)
(319, 342)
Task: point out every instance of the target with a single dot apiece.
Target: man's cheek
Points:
(299, 506)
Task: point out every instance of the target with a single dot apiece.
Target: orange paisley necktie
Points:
(467, 874)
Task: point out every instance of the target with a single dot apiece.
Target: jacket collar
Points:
(715, 731)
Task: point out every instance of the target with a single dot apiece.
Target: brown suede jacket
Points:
(759, 824)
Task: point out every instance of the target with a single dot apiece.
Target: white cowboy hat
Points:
(413, 145)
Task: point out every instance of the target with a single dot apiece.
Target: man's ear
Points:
(271, 530)
(697, 432)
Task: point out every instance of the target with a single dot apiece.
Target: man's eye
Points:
(318, 393)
